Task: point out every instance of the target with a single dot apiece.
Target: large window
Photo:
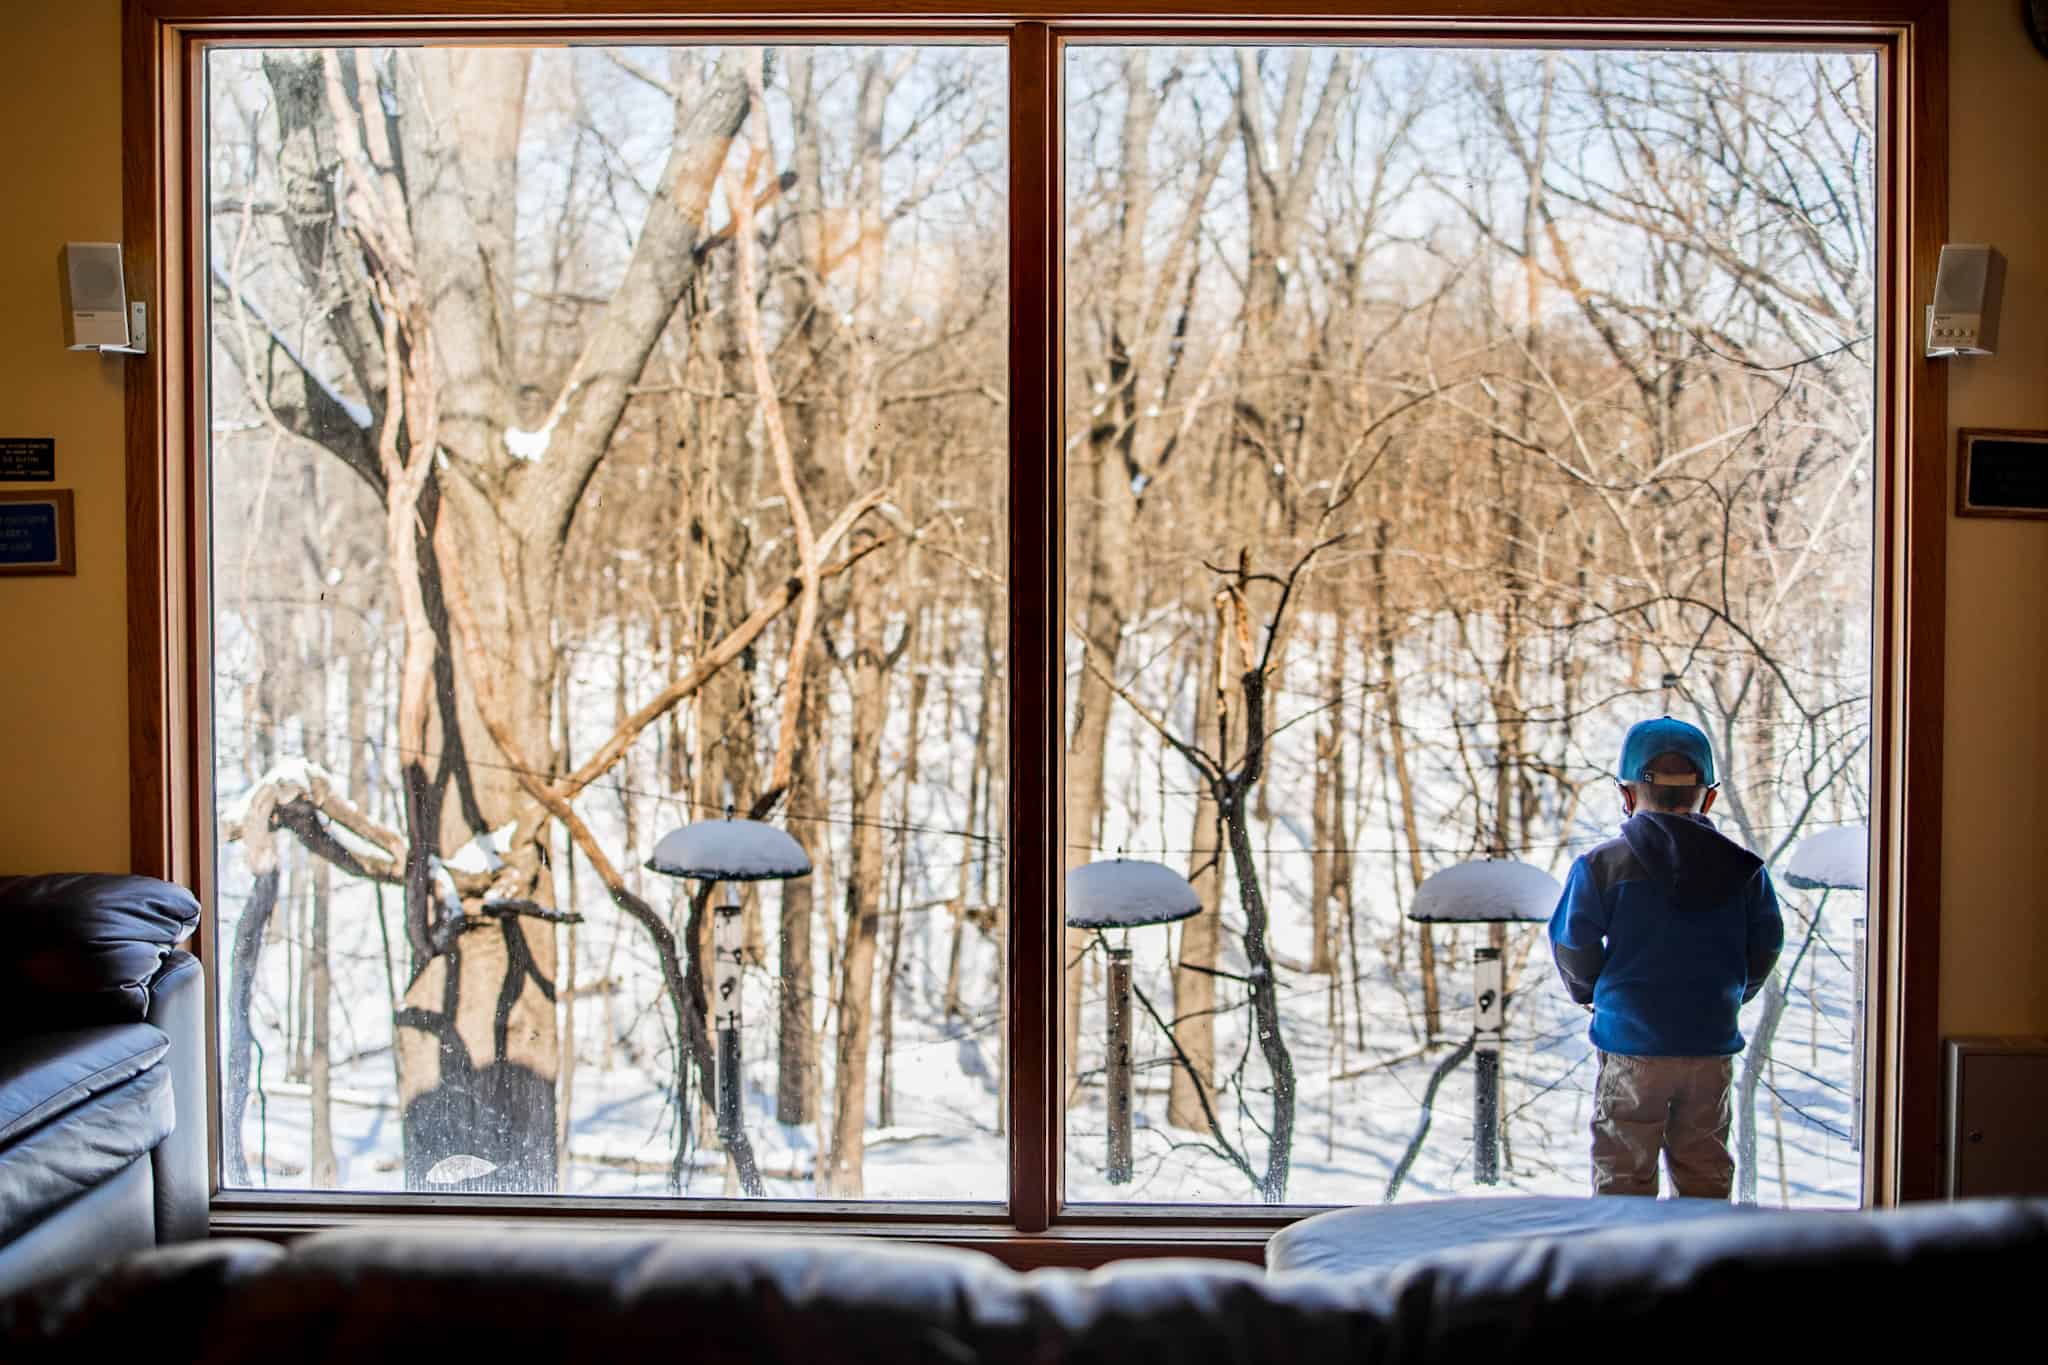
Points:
(1432, 415)
(700, 538)
(608, 443)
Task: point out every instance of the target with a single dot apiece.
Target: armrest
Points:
(177, 1006)
(86, 946)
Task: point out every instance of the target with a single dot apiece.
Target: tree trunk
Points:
(565, 1102)
(1087, 776)
(477, 1043)
(424, 150)
(919, 683)
(1233, 786)
(298, 902)
(887, 1105)
(843, 1174)
(320, 1063)
(1397, 737)
(1265, 1000)
(1194, 989)
(725, 768)
(1327, 811)
(318, 999)
(796, 1057)
(979, 802)
(259, 846)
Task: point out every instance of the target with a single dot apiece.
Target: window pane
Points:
(1432, 416)
(537, 379)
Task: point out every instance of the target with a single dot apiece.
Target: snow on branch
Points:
(356, 411)
(305, 798)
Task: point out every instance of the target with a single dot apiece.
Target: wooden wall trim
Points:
(149, 793)
(1919, 662)
(165, 724)
(166, 508)
(1647, 15)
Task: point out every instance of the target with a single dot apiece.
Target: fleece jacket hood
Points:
(1697, 866)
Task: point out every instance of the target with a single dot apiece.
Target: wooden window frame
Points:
(169, 674)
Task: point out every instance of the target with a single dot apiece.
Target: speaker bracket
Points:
(138, 333)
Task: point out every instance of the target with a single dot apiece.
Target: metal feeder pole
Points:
(1119, 1066)
(1856, 1050)
(1487, 982)
(725, 1010)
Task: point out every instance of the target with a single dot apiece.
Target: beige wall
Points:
(63, 641)
(62, 690)
(1994, 941)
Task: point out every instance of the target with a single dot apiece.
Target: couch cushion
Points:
(83, 947)
(1770, 1287)
(674, 1296)
(1378, 1236)
(167, 1299)
(80, 1117)
(45, 1074)
(1915, 1283)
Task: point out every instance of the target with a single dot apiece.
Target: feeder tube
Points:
(725, 1013)
(1119, 1085)
(1490, 1017)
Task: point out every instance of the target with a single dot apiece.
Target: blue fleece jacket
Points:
(1665, 932)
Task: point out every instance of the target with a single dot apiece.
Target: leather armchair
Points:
(102, 1072)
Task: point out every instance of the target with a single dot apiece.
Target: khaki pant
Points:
(1679, 1106)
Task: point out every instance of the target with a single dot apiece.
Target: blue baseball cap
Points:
(1649, 739)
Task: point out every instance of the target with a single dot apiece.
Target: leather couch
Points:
(102, 1072)
(1764, 1287)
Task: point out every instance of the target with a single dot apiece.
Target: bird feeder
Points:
(1494, 891)
(729, 851)
(1839, 860)
(1124, 893)
(1833, 860)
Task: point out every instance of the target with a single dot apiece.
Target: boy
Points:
(1663, 933)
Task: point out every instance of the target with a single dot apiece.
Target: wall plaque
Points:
(28, 459)
(36, 533)
(2002, 473)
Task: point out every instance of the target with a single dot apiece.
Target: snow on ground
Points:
(1357, 1052)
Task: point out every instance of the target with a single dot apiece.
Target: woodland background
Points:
(607, 439)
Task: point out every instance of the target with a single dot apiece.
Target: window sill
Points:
(1077, 1245)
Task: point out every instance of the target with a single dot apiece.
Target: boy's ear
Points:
(1628, 798)
(1708, 804)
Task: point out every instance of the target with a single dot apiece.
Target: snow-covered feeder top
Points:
(730, 851)
(1832, 860)
(1491, 891)
(1124, 893)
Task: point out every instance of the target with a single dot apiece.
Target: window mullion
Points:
(1036, 592)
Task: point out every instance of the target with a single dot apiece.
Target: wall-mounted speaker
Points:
(1963, 319)
(95, 296)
